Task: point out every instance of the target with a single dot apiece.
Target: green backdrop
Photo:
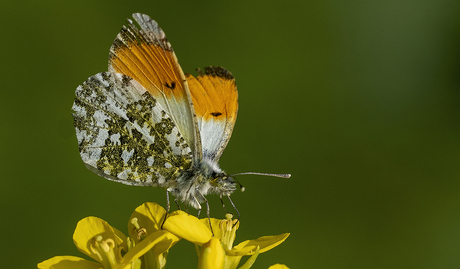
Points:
(358, 100)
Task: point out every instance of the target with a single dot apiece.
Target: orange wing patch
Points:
(146, 55)
(215, 99)
(149, 63)
(214, 94)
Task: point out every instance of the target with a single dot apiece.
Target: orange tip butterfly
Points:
(146, 123)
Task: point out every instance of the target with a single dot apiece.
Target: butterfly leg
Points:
(223, 205)
(237, 212)
(168, 206)
(199, 211)
(177, 203)
(186, 207)
(207, 211)
(167, 209)
(209, 218)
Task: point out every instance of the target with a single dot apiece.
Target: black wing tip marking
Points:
(147, 31)
(150, 31)
(217, 71)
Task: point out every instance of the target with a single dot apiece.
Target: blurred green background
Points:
(358, 100)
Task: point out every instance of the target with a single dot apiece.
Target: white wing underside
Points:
(123, 134)
(214, 138)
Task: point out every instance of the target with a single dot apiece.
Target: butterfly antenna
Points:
(262, 174)
(241, 186)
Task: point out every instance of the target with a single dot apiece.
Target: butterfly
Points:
(146, 123)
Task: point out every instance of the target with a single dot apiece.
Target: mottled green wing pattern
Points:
(124, 135)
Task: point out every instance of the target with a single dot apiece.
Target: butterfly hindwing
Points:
(215, 99)
(145, 55)
(125, 135)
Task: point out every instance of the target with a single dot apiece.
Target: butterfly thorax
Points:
(205, 177)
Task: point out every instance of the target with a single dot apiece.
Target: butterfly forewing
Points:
(145, 55)
(125, 135)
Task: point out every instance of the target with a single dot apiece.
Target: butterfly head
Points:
(223, 184)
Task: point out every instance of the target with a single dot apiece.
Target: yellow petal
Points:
(216, 227)
(265, 243)
(87, 229)
(187, 227)
(222, 226)
(251, 260)
(278, 266)
(231, 262)
(150, 216)
(212, 255)
(68, 262)
(144, 246)
(164, 245)
(158, 253)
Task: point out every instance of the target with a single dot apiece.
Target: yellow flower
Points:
(106, 245)
(146, 220)
(278, 266)
(197, 232)
(148, 243)
(226, 231)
